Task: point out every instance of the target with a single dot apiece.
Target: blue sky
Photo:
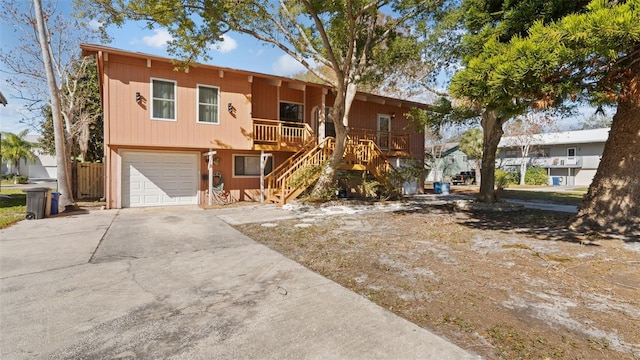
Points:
(237, 51)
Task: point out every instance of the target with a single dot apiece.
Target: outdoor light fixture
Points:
(393, 115)
(231, 108)
(138, 97)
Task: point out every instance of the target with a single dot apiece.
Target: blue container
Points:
(446, 187)
(55, 197)
(556, 181)
(437, 187)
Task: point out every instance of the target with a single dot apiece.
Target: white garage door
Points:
(159, 178)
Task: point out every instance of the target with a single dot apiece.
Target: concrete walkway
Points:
(181, 283)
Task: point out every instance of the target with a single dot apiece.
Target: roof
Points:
(91, 49)
(3, 100)
(565, 137)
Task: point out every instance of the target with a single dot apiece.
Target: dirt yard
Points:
(503, 285)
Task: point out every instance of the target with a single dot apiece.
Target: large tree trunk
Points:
(64, 180)
(340, 110)
(612, 203)
(491, 133)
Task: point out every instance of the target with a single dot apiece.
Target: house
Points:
(179, 136)
(44, 168)
(570, 157)
(445, 161)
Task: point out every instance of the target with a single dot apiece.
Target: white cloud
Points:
(227, 44)
(159, 39)
(287, 66)
(95, 25)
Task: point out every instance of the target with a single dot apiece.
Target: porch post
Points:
(210, 168)
(263, 164)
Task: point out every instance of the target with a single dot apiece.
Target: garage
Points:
(159, 178)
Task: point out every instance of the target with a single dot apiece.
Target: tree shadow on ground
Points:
(539, 224)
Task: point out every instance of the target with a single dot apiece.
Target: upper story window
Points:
(543, 152)
(208, 109)
(291, 112)
(511, 153)
(163, 104)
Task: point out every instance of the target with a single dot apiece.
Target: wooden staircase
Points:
(284, 182)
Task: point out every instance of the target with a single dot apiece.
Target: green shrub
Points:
(514, 177)
(504, 178)
(536, 176)
(501, 178)
(22, 179)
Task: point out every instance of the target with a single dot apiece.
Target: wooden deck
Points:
(280, 135)
(274, 135)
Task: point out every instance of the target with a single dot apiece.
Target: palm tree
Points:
(15, 148)
(471, 144)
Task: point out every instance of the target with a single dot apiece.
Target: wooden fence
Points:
(88, 180)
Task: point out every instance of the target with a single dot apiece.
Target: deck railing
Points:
(280, 133)
(387, 141)
(546, 162)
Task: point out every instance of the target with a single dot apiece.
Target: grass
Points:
(560, 197)
(13, 207)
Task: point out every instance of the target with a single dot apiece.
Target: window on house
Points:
(249, 165)
(208, 109)
(543, 152)
(291, 112)
(163, 104)
(511, 153)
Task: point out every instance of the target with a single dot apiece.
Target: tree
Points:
(86, 129)
(593, 56)
(521, 134)
(595, 121)
(29, 80)
(476, 33)
(471, 144)
(16, 148)
(64, 181)
(360, 41)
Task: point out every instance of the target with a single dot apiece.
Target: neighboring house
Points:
(570, 157)
(445, 161)
(160, 124)
(43, 168)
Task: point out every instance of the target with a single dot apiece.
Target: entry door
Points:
(384, 127)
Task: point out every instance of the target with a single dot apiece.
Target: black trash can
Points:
(36, 202)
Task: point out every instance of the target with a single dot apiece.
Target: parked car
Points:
(465, 177)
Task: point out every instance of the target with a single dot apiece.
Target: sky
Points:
(237, 51)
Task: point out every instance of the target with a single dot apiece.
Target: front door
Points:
(384, 127)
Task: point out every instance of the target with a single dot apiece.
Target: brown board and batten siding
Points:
(131, 123)
(130, 131)
(364, 115)
(264, 97)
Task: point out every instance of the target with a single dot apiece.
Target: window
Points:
(249, 165)
(291, 112)
(208, 109)
(571, 152)
(511, 153)
(543, 152)
(163, 104)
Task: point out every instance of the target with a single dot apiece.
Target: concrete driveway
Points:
(180, 283)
